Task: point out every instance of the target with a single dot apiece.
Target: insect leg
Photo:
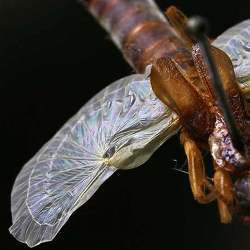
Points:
(228, 81)
(224, 188)
(178, 21)
(197, 176)
(178, 93)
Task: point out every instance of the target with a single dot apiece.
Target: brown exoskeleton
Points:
(182, 82)
(180, 78)
(185, 84)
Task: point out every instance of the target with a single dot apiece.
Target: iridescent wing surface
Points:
(119, 128)
(236, 43)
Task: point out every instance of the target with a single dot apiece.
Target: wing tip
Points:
(26, 230)
(18, 238)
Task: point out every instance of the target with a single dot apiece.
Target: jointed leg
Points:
(197, 177)
(224, 187)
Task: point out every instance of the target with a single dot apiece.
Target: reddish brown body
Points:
(139, 29)
(144, 36)
(181, 80)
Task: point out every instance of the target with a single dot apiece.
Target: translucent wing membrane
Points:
(236, 43)
(119, 128)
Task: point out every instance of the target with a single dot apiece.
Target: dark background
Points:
(53, 58)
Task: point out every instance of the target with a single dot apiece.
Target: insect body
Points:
(125, 123)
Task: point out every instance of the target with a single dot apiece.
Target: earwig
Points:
(183, 83)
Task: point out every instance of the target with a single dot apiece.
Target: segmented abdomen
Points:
(138, 28)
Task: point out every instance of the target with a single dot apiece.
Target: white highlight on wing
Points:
(119, 128)
(236, 43)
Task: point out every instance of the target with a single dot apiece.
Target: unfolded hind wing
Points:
(114, 130)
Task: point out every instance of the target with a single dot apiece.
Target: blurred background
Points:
(53, 58)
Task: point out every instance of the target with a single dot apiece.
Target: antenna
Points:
(198, 27)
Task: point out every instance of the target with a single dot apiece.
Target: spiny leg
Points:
(224, 187)
(197, 177)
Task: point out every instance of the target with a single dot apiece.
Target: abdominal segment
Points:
(138, 28)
